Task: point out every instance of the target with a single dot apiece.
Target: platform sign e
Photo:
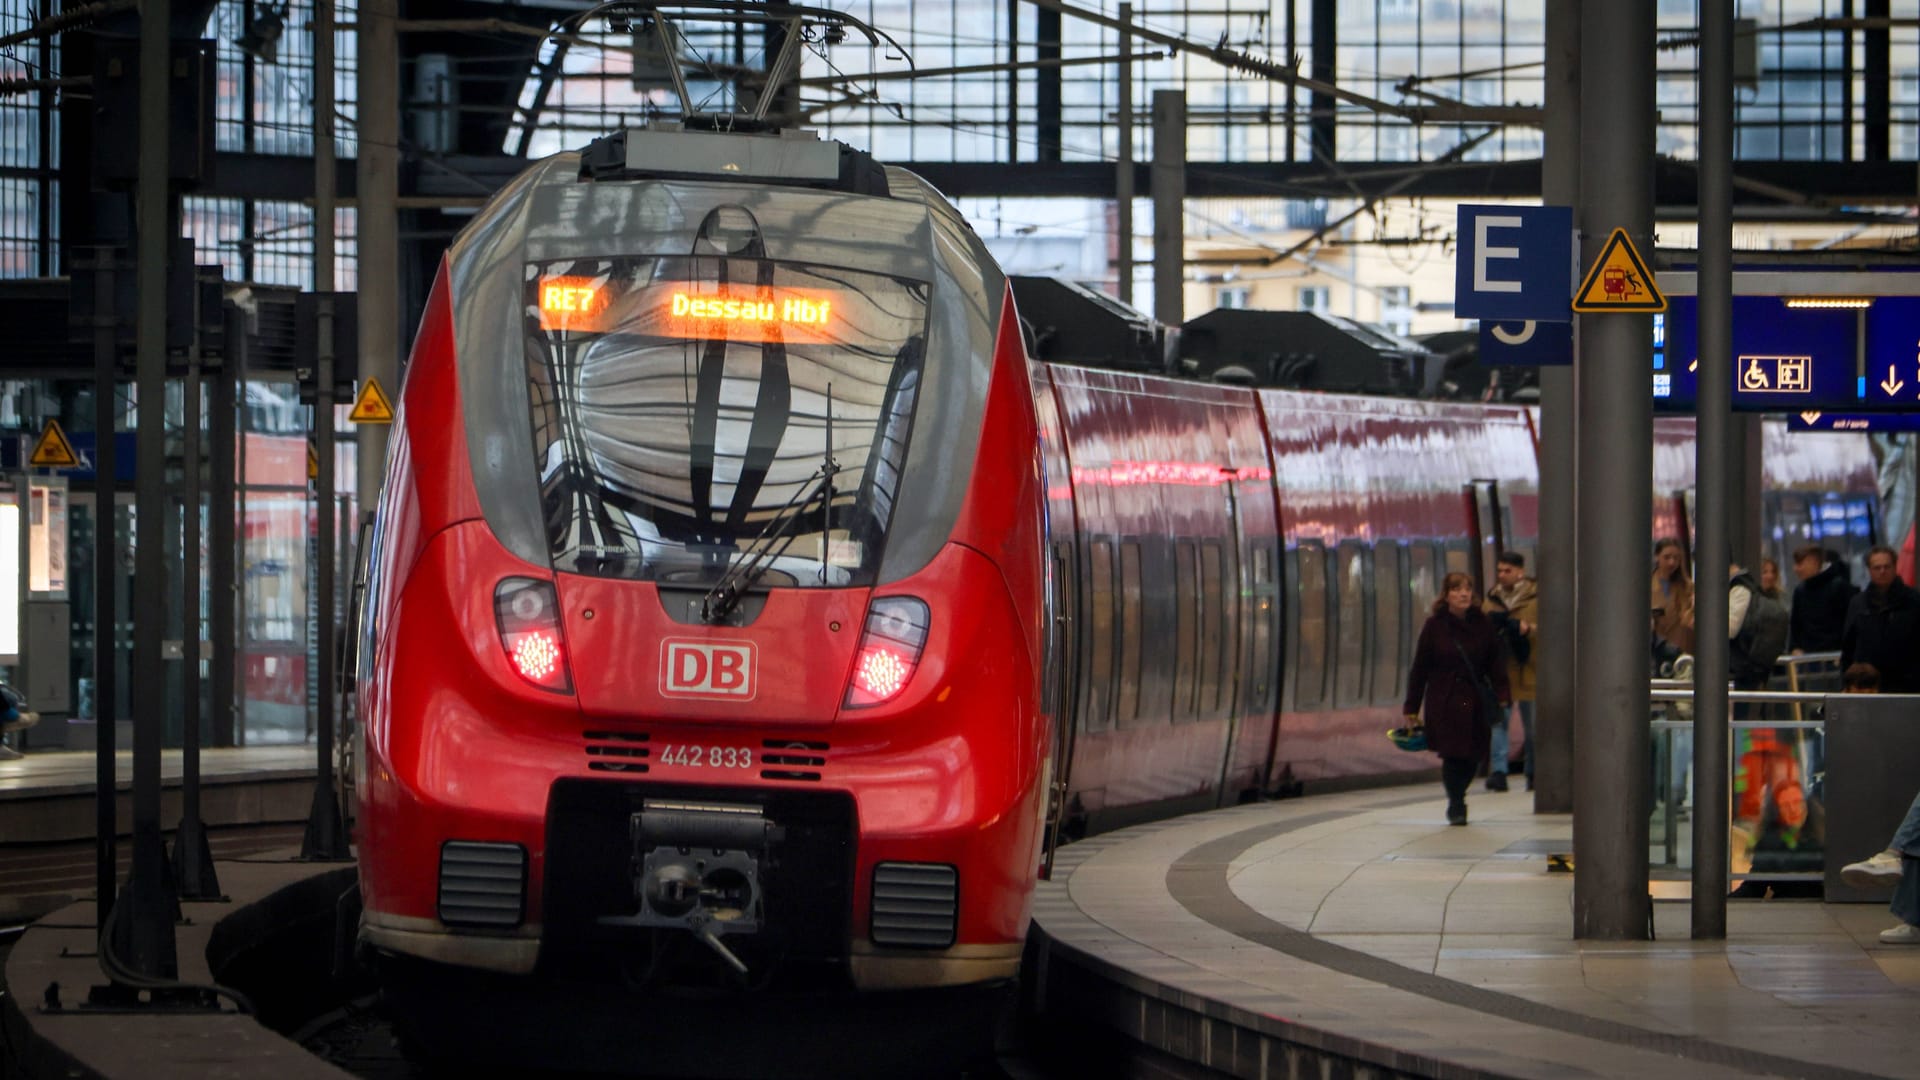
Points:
(1514, 263)
(1530, 343)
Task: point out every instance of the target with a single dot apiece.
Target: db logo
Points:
(707, 669)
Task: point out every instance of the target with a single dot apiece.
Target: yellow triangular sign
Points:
(372, 406)
(53, 451)
(1619, 281)
(313, 463)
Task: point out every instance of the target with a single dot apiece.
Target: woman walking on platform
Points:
(1460, 676)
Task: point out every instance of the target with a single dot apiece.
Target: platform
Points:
(49, 796)
(1359, 928)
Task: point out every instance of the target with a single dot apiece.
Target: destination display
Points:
(1833, 356)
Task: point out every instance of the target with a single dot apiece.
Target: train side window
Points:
(1130, 630)
(1216, 660)
(1100, 640)
(1059, 632)
(1266, 609)
(1186, 621)
(1350, 648)
(1460, 559)
(1388, 596)
(1310, 648)
(1423, 583)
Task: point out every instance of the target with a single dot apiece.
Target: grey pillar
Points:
(222, 597)
(1123, 169)
(1711, 519)
(145, 940)
(1169, 205)
(1615, 467)
(193, 871)
(378, 189)
(1553, 697)
(106, 567)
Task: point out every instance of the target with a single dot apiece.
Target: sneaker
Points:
(1881, 871)
(1904, 934)
(1497, 781)
(1457, 814)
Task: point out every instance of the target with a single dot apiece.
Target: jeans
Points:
(1502, 754)
(1906, 841)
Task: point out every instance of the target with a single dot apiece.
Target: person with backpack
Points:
(1756, 630)
(1513, 604)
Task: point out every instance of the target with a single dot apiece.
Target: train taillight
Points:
(889, 650)
(528, 612)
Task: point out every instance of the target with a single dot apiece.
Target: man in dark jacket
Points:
(1883, 626)
(1820, 602)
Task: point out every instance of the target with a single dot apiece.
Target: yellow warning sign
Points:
(1619, 281)
(313, 463)
(372, 406)
(53, 451)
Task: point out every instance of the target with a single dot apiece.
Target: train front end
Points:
(704, 633)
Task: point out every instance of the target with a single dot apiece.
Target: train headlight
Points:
(529, 616)
(889, 650)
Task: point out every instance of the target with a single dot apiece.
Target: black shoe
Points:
(1497, 781)
(1457, 813)
(1529, 783)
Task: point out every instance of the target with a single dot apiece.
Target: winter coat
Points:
(1672, 623)
(1884, 630)
(1442, 682)
(1820, 610)
(1521, 604)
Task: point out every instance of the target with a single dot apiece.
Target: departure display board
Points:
(1793, 359)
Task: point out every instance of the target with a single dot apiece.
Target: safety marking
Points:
(1619, 281)
(313, 462)
(372, 406)
(53, 451)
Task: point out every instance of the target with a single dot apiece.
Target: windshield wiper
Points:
(740, 576)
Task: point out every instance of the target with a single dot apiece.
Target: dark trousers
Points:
(1456, 774)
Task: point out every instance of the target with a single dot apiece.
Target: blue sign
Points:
(1514, 263)
(1532, 343)
(1892, 376)
(83, 445)
(1810, 420)
(1784, 359)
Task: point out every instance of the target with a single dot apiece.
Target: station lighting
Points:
(1852, 302)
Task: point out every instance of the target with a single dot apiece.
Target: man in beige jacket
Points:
(1514, 606)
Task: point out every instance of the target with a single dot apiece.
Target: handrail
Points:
(1759, 697)
(1795, 659)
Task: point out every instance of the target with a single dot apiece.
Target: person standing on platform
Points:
(1883, 626)
(1898, 866)
(1513, 603)
(1770, 580)
(1757, 627)
(1819, 602)
(1459, 676)
(1672, 596)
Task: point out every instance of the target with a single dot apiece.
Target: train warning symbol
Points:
(1619, 281)
(53, 451)
(372, 406)
(313, 462)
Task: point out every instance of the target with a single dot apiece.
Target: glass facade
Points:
(29, 132)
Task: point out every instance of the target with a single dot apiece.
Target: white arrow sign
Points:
(1811, 418)
(1520, 337)
(1891, 384)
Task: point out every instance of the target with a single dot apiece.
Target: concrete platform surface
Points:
(1359, 926)
(50, 796)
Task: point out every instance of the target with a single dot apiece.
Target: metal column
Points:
(378, 188)
(1711, 475)
(1615, 464)
(222, 595)
(326, 833)
(1123, 169)
(145, 942)
(1554, 694)
(192, 856)
(1169, 205)
(106, 563)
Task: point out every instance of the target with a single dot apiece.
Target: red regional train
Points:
(744, 604)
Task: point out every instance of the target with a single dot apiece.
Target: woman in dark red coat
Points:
(1458, 649)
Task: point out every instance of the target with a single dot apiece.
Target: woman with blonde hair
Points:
(1672, 595)
(1459, 679)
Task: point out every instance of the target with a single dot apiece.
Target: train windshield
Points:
(694, 412)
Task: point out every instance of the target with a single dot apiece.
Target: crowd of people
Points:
(1473, 670)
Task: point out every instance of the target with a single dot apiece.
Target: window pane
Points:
(1100, 639)
(1130, 673)
(1351, 687)
(1387, 596)
(1186, 625)
(1310, 654)
(1216, 665)
(1422, 586)
(1266, 610)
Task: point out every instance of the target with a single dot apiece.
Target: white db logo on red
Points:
(707, 669)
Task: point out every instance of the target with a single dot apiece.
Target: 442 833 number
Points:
(694, 756)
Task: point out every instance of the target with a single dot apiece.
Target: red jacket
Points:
(1443, 682)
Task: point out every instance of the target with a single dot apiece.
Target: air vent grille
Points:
(792, 759)
(617, 751)
(482, 884)
(915, 904)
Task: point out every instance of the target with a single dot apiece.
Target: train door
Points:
(1061, 674)
(1236, 588)
(1486, 529)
